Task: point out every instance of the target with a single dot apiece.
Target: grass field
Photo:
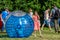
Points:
(47, 35)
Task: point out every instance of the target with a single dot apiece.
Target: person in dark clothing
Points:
(55, 15)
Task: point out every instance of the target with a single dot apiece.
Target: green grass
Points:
(47, 35)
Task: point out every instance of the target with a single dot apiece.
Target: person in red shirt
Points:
(1, 23)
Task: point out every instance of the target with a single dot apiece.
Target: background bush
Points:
(26, 4)
(39, 5)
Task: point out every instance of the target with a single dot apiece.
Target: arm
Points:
(1, 18)
(38, 17)
(51, 14)
(33, 17)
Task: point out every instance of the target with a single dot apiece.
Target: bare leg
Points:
(40, 33)
(58, 26)
(35, 33)
(42, 26)
(49, 27)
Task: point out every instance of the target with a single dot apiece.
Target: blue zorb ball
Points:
(19, 25)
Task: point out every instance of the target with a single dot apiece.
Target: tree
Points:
(39, 5)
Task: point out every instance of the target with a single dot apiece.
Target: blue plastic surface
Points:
(19, 27)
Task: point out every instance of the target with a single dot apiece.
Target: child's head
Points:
(30, 10)
(36, 13)
(6, 9)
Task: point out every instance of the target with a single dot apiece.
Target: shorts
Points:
(47, 22)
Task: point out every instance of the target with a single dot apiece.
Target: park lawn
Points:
(47, 35)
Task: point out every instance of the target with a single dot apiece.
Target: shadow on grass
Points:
(4, 36)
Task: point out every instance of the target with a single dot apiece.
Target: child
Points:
(30, 12)
(36, 23)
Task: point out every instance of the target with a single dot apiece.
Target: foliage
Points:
(26, 4)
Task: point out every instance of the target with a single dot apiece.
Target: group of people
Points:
(36, 20)
(54, 15)
(49, 16)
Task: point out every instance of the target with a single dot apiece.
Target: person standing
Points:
(46, 18)
(37, 24)
(5, 13)
(55, 15)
